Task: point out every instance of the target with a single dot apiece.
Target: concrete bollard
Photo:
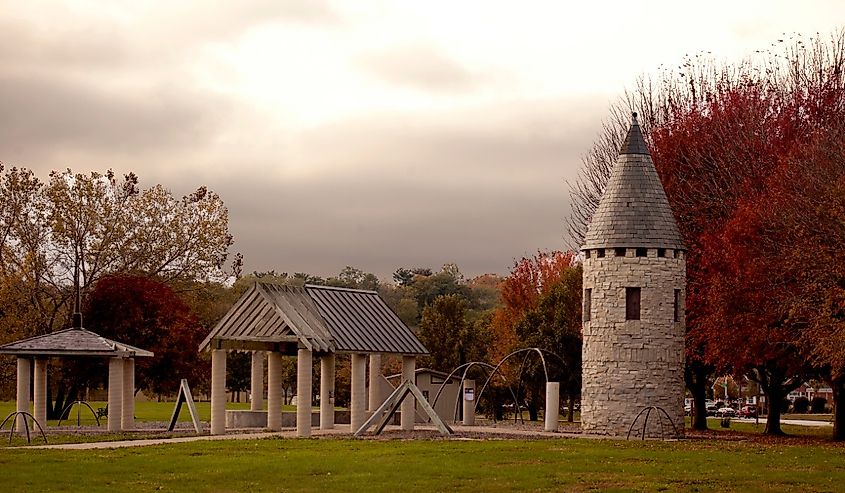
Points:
(358, 406)
(218, 392)
(552, 405)
(469, 402)
(39, 391)
(274, 391)
(374, 397)
(115, 394)
(327, 392)
(127, 417)
(22, 399)
(303, 393)
(409, 366)
(256, 384)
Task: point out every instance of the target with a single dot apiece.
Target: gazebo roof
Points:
(72, 342)
(320, 318)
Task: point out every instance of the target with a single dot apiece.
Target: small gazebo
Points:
(310, 321)
(71, 343)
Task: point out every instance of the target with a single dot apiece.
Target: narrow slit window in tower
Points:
(632, 303)
(661, 252)
(642, 252)
(588, 304)
(600, 253)
(620, 252)
(677, 305)
(586, 254)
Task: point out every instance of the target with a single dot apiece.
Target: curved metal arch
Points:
(514, 353)
(14, 417)
(648, 411)
(79, 405)
(466, 367)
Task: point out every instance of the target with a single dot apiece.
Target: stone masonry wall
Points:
(630, 365)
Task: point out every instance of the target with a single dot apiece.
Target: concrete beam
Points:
(552, 405)
(115, 394)
(127, 420)
(327, 374)
(39, 391)
(22, 399)
(357, 408)
(469, 405)
(408, 409)
(303, 393)
(374, 398)
(218, 392)
(256, 393)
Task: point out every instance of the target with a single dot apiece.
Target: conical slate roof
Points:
(634, 211)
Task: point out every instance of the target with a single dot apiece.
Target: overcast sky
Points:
(372, 134)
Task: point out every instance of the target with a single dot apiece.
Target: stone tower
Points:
(634, 279)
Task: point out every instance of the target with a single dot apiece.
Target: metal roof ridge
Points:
(338, 288)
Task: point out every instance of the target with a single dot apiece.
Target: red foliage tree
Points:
(148, 314)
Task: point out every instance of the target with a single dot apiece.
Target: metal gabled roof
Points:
(72, 342)
(272, 313)
(323, 319)
(361, 321)
(633, 211)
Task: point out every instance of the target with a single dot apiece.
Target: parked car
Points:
(711, 410)
(688, 410)
(749, 411)
(726, 412)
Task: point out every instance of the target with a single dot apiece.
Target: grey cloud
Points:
(423, 194)
(45, 116)
(420, 68)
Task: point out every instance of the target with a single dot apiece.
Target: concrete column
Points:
(22, 399)
(218, 392)
(303, 393)
(256, 393)
(327, 392)
(357, 408)
(469, 405)
(552, 405)
(127, 420)
(115, 393)
(274, 390)
(409, 366)
(375, 398)
(39, 391)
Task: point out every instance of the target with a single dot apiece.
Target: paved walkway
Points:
(340, 430)
(797, 422)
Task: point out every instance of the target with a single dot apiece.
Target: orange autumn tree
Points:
(530, 282)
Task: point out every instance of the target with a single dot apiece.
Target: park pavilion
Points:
(76, 342)
(272, 321)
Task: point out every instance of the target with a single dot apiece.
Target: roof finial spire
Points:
(634, 142)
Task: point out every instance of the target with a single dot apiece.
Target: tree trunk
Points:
(571, 417)
(776, 385)
(695, 376)
(774, 400)
(838, 386)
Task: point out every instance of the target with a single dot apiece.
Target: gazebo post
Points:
(303, 393)
(39, 391)
(408, 417)
(327, 371)
(115, 393)
(256, 393)
(274, 390)
(218, 392)
(127, 421)
(22, 399)
(375, 398)
(357, 411)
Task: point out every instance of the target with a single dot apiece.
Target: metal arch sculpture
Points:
(647, 412)
(79, 404)
(514, 353)
(14, 417)
(466, 367)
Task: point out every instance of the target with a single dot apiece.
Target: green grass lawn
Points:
(431, 465)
